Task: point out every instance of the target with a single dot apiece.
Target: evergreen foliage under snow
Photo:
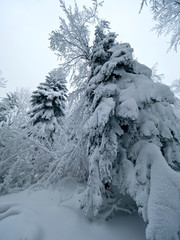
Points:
(131, 136)
(48, 103)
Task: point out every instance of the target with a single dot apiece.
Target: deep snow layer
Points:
(54, 215)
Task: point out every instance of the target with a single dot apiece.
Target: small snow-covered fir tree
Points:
(48, 103)
(131, 134)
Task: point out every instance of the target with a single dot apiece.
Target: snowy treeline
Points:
(117, 132)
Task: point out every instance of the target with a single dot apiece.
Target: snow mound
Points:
(156, 190)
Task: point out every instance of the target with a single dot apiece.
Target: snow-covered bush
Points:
(15, 150)
(24, 159)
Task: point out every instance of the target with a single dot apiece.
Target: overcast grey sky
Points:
(25, 25)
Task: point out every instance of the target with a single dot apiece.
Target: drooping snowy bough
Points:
(132, 139)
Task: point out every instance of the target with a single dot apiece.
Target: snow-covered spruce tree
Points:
(132, 137)
(48, 104)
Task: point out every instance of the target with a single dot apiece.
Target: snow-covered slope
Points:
(51, 215)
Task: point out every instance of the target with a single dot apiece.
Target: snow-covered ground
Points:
(51, 215)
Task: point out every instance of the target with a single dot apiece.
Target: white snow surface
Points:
(55, 215)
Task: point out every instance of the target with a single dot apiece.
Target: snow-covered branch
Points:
(167, 16)
(71, 42)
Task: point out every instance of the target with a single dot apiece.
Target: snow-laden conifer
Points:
(131, 134)
(48, 103)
